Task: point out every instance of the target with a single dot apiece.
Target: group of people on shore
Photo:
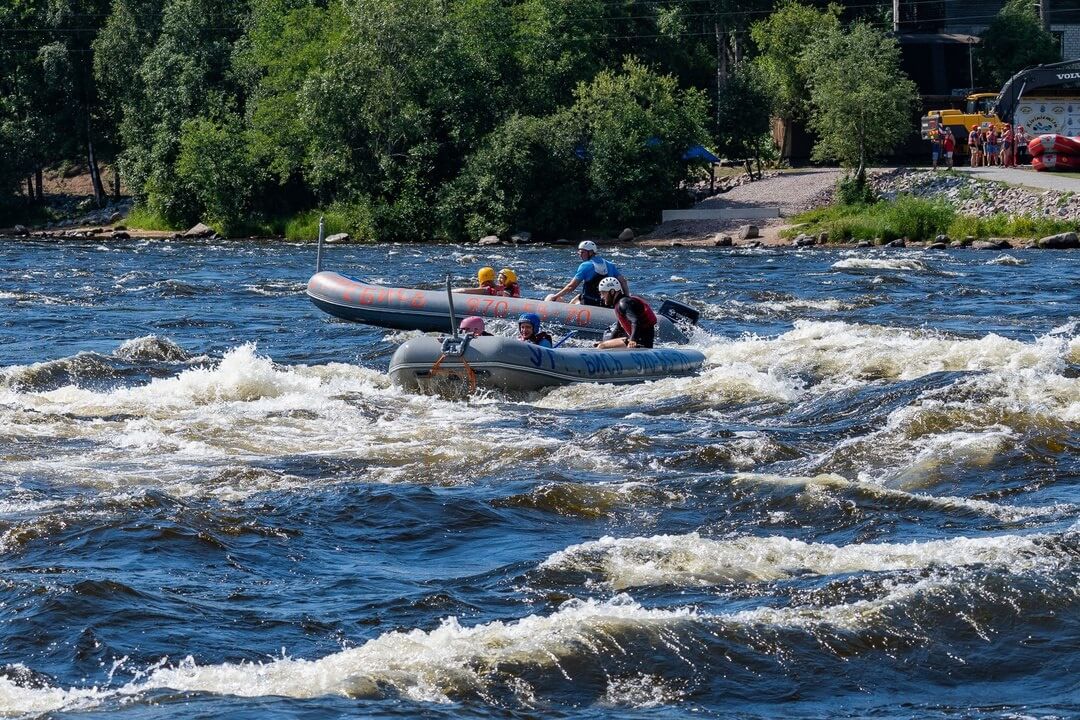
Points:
(987, 145)
(601, 284)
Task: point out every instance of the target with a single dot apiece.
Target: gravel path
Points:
(1024, 176)
(792, 192)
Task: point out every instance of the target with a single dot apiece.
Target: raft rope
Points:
(470, 373)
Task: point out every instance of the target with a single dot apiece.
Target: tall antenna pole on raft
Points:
(318, 250)
(450, 301)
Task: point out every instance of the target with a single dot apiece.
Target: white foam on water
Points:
(1007, 260)
(843, 354)
(19, 701)
(821, 488)
(433, 665)
(691, 560)
(905, 264)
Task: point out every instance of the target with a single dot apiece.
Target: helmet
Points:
(587, 245)
(609, 283)
(509, 274)
(473, 325)
(531, 318)
(485, 274)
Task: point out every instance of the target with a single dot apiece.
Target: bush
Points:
(213, 166)
(143, 218)
(523, 175)
(853, 190)
(354, 219)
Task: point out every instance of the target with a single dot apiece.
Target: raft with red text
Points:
(429, 310)
(508, 364)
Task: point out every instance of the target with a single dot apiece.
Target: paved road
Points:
(1025, 176)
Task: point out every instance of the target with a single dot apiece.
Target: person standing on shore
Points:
(948, 144)
(1007, 159)
(590, 272)
(974, 146)
(935, 146)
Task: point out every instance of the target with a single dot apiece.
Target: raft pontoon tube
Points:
(501, 363)
(429, 310)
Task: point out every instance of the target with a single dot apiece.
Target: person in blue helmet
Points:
(590, 272)
(529, 330)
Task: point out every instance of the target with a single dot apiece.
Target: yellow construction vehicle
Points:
(1053, 108)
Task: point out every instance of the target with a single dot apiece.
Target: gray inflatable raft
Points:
(508, 364)
(429, 310)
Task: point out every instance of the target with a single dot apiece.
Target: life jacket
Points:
(540, 337)
(493, 289)
(646, 316)
(511, 290)
(590, 290)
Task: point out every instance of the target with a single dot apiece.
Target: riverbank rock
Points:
(338, 239)
(626, 235)
(823, 237)
(991, 244)
(521, 237)
(199, 231)
(936, 246)
(115, 218)
(864, 244)
(721, 240)
(120, 235)
(897, 243)
(805, 240)
(1061, 241)
(970, 195)
(748, 232)
(20, 231)
(489, 240)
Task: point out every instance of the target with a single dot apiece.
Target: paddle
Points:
(568, 336)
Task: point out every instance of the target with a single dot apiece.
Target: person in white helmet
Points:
(590, 272)
(635, 321)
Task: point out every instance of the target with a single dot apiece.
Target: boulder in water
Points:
(489, 240)
(521, 237)
(339, 238)
(199, 231)
(20, 231)
(1061, 241)
(991, 244)
(748, 232)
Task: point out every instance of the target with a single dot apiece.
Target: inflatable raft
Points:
(429, 310)
(1053, 143)
(1056, 161)
(507, 364)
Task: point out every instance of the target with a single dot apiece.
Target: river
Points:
(213, 503)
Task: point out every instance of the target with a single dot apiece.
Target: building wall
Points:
(1070, 40)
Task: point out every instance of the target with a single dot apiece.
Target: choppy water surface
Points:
(213, 502)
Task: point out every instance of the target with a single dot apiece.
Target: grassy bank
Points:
(300, 227)
(918, 219)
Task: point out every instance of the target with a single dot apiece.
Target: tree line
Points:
(428, 119)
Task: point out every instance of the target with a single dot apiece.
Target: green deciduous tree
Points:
(1014, 40)
(861, 101)
(781, 39)
(634, 127)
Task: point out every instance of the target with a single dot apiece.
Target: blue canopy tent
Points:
(699, 152)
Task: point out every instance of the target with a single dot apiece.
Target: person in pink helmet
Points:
(474, 326)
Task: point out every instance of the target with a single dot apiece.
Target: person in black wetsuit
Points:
(635, 325)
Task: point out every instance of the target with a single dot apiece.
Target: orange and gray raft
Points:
(429, 310)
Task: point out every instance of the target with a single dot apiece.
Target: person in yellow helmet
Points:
(485, 276)
(508, 281)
